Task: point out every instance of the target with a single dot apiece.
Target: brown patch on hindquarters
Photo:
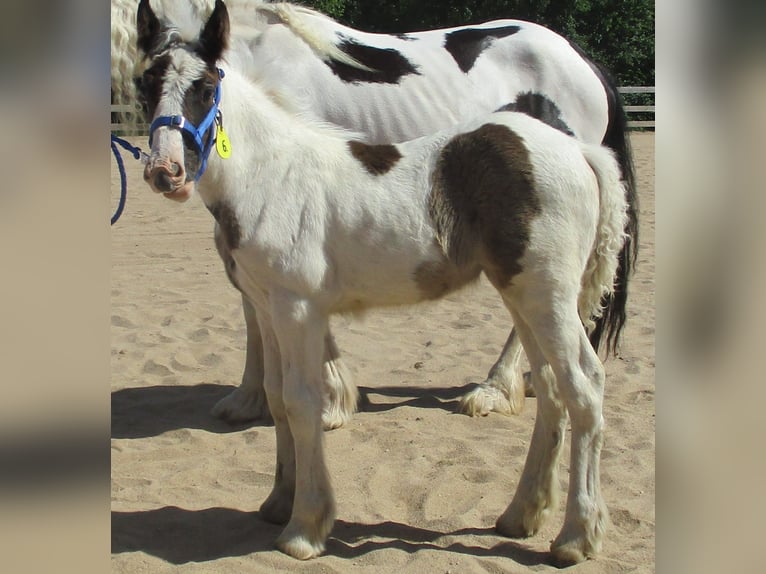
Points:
(376, 159)
(483, 200)
(435, 279)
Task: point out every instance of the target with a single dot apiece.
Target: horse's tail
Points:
(598, 306)
(616, 138)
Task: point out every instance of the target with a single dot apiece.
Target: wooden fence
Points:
(143, 129)
(643, 109)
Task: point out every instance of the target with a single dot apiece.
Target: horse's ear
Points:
(215, 35)
(148, 27)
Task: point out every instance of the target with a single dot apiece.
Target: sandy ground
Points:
(418, 487)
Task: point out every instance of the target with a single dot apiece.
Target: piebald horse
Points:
(312, 222)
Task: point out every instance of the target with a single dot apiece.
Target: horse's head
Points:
(181, 87)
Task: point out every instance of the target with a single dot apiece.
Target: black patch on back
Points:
(376, 159)
(389, 66)
(228, 222)
(466, 45)
(540, 107)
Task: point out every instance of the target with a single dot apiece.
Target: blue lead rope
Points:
(123, 177)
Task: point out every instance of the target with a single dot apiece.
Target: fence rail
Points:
(642, 109)
(143, 129)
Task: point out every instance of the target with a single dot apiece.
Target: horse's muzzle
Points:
(165, 178)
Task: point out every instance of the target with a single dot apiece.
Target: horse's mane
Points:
(301, 22)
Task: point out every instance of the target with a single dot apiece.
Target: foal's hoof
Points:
(581, 540)
(513, 527)
(567, 555)
(241, 406)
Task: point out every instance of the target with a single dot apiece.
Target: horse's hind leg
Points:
(503, 390)
(580, 378)
(537, 492)
(579, 382)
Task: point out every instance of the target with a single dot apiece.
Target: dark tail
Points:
(609, 325)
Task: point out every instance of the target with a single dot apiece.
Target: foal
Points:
(314, 222)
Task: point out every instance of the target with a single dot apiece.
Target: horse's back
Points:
(423, 82)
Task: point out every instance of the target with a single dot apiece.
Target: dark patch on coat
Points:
(229, 265)
(388, 66)
(376, 159)
(467, 44)
(540, 107)
(227, 220)
(483, 200)
(150, 83)
(435, 279)
(407, 37)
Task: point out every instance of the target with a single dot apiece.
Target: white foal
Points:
(314, 222)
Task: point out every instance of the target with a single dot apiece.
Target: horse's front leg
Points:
(248, 401)
(504, 389)
(278, 507)
(301, 331)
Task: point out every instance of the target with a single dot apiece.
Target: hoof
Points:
(567, 555)
(299, 547)
(306, 539)
(581, 540)
(334, 417)
(514, 527)
(493, 397)
(242, 406)
(342, 397)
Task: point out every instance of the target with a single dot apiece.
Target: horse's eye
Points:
(207, 95)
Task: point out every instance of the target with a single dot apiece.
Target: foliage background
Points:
(616, 33)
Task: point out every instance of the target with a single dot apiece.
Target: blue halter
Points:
(207, 126)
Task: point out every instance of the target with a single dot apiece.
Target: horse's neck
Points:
(266, 140)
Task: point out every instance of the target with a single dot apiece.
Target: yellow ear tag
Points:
(222, 144)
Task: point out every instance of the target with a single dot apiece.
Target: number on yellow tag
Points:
(222, 144)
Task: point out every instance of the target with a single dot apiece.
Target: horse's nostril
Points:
(175, 168)
(162, 181)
